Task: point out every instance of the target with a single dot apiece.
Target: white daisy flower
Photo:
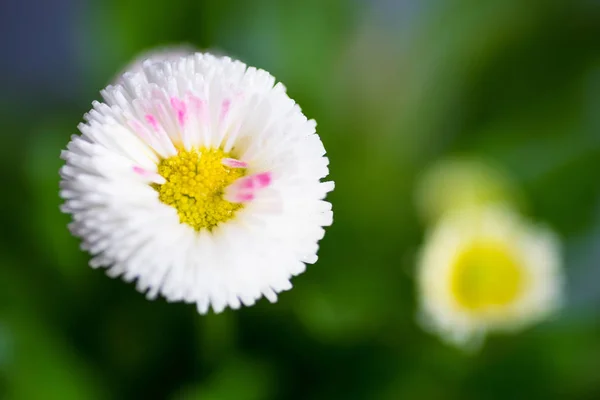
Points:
(201, 179)
(487, 270)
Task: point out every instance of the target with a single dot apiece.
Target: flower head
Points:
(201, 179)
(485, 270)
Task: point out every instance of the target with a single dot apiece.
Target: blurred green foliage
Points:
(394, 86)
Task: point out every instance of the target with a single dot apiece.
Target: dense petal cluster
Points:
(200, 179)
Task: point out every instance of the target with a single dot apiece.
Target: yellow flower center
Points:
(486, 275)
(194, 185)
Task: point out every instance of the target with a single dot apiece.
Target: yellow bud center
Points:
(194, 185)
(486, 275)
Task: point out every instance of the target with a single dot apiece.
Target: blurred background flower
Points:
(395, 86)
(484, 269)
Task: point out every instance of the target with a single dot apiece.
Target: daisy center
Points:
(486, 275)
(195, 183)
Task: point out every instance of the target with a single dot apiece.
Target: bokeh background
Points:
(395, 86)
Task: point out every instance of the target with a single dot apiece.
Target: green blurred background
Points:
(395, 86)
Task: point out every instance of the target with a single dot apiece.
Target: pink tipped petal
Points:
(225, 106)
(245, 189)
(233, 194)
(150, 175)
(180, 108)
(263, 180)
(233, 163)
(151, 119)
(197, 105)
(244, 197)
(256, 181)
(246, 183)
(138, 128)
